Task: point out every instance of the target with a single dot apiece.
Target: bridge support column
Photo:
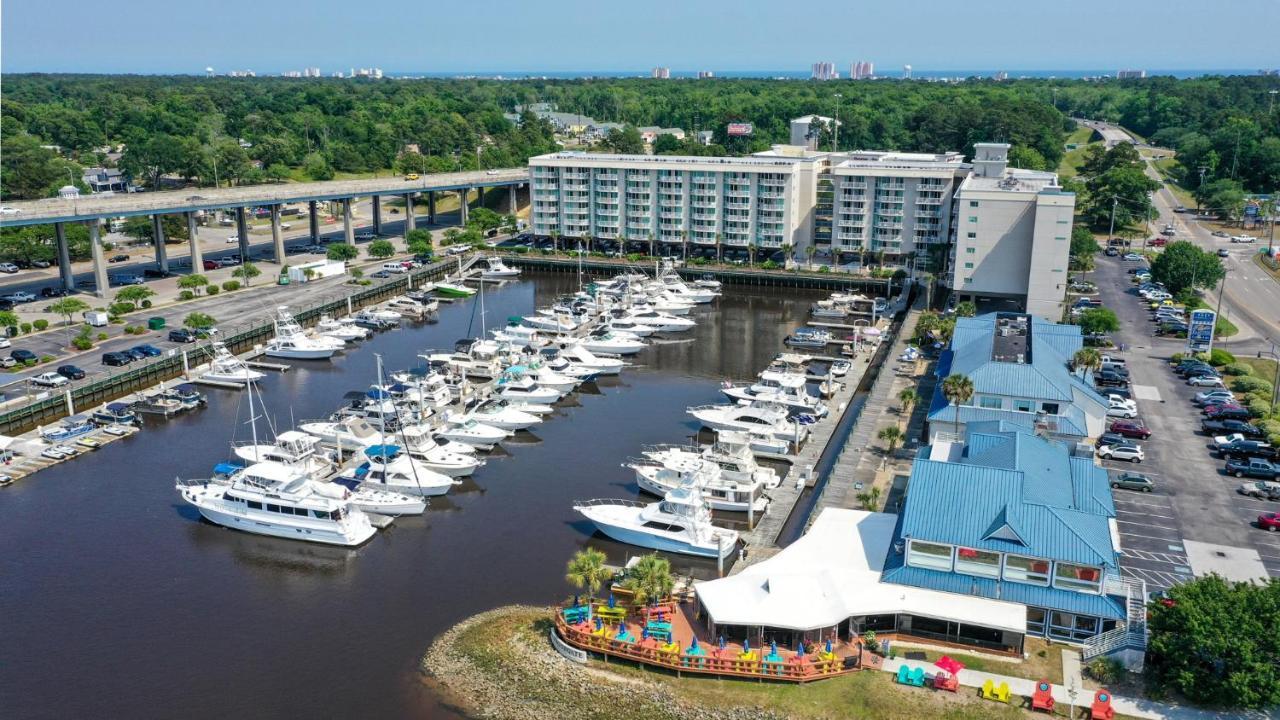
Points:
(511, 199)
(277, 240)
(431, 208)
(462, 205)
(377, 215)
(408, 213)
(242, 234)
(64, 258)
(101, 284)
(480, 196)
(157, 237)
(348, 231)
(315, 222)
(197, 257)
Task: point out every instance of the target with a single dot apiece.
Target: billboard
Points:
(740, 129)
(1200, 330)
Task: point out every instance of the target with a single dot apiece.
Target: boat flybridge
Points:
(785, 388)
(731, 453)
(495, 269)
(679, 523)
(292, 342)
(225, 367)
(758, 417)
(668, 469)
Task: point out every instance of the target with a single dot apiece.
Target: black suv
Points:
(23, 356)
(70, 372)
(182, 335)
(1249, 449)
(116, 359)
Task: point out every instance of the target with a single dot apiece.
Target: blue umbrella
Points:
(575, 600)
(800, 648)
(694, 644)
(828, 646)
(746, 645)
(599, 623)
(773, 647)
(622, 627)
(611, 601)
(722, 642)
(644, 633)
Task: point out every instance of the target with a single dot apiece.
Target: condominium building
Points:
(862, 70)
(760, 200)
(824, 71)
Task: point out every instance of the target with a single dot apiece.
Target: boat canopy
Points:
(227, 468)
(399, 388)
(118, 408)
(377, 394)
(385, 451)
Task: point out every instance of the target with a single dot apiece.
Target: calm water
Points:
(117, 601)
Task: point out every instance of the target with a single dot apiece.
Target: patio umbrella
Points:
(949, 664)
(575, 600)
(746, 645)
(599, 623)
(612, 601)
(722, 643)
(828, 646)
(693, 645)
(800, 649)
(644, 634)
(622, 627)
(773, 647)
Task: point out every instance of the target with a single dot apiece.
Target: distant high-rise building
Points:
(1002, 75)
(291, 74)
(862, 70)
(906, 71)
(705, 74)
(242, 73)
(661, 73)
(1131, 74)
(311, 72)
(824, 71)
(375, 73)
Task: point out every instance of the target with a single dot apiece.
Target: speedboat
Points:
(557, 363)
(495, 269)
(677, 468)
(390, 467)
(345, 329)
(784, 388)
(551, 322)
(545, 377)
(114, 414)
(580, 355)
(515, 384)
(348, 433)
(271, 498)
(503, 418)
(521, 406)
(452, 290)
(708, 282)
(840, 368)
(469, 431)
(759, 418)
(227, 368)
(605, 341)
(300, 347)
(70, 429)
(806, 337)
(679, 523)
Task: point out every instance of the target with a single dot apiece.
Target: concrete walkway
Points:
(1123, 706)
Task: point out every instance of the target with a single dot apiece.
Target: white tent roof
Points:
(832, 574)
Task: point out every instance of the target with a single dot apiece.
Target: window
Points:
(1077, 577)
(929, 555)
(971, 250)
(1023, 405)
(968, 266)
(988, 401)
(273, 508)
(977, 562)
(255, 505)
(1025, 569)
(1050, 408)
(322, 514)
(1035, 621)
(1060, 237)
(973, 218)
(973, 203)
(968, 279)
(972, 236)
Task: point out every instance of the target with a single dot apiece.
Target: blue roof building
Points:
(1020, 368)
(1014, 516)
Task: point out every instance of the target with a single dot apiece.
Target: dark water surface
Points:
(117, 601)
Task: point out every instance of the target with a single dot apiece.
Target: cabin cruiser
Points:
(680, 468)
(375, 499)
(495, 269)
(679, 523)
(550, 321)
(784, 388)
(346, 434)
(497, 416)
(605, 341)
(520, 335)
(677, 290)
(660, 321)
(764, 418)
(344, 329)
(516, 384)
(373, 319)
(406, 306)
(731, 453)
(271, 498)
(454, 290)
(666, 304)
(546, 377)
(807, 337)
(448, 458)
(474, 358)
(292, 342)
(390, 467)
(582, 356)
(225, 367)
(708, 282)
(551, 359)
(629, 326)
(425, 393)
(520, 405)
(469, 431)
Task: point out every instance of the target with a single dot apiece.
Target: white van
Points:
(395, 267)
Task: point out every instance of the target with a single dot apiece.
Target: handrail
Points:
(609, 501)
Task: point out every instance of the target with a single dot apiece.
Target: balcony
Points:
(673, 214)
(770, 182)
(639, 214)
(606, 200)
(927, 200)
(607, 176)
(607, 212)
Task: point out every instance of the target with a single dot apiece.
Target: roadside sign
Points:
(1200, 330)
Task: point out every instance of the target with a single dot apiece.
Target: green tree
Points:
(908, 399)
(649, 580)
(342, 251)
(276, 172)
(139, 228)
(1086, 359)
(316, 166)
(1083, 248)
(890, 436)
(29, 171)
(1098, 321)
(381, 249)
(1215, 642)
(958, 390)
(67, 307)
(555, 239)
(9, 319)
(199, 321)
(626, 140)
(1224, 198)
(667, 145)
(1183, 265)
(1124, 190)
(418, 241)
(194, 282)
(247, 272)
(586, 570)
(966, 309)
(134, 294)
(809, 251)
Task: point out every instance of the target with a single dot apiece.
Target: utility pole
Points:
(1112, 232)
(835, 137)
(1218, 311)
(1276, 383)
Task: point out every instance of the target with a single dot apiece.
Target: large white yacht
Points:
(271, 498)
(588, 360)
(348, 433)
(497, 416)
(673, 471)
(731, 453)
(495, 269)
(761, 418)
(784, 388)
(292, 342)
(468, 431)
(225, 367)
(390, 467)
(516, 384)
(612, 343)
(661, 321)
(679, 523)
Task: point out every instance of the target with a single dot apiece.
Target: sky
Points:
(486, 36)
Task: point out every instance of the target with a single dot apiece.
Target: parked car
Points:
(1244, 449)
(1133, 257)
(181, 335)
(116, 359)
(1121, 370)
(7, 362)
(118, 258)
(211, 265)
(134, 353)
(1121, 410)
(1214, 397)
(1121, 392)
(1243, 239)
(1205, 381)
(1130, 429)
(365, 236)
(70, 372)
(54, 292)
(1269, 521)
(381, 274)
(1133, 481)
(1222, 252)
(1111, 252)
(1110, 438)
(148, 350)
(9, 268)
(156, 273)
(127, 280)
(1224, 427)
(1195, 368)
(1261, 489)
(1222, 441)
(1220, 233)
(49, 379)
(21, 296)
(1253, 467)
(23, 356)
(1107, 377)
(1131, 452)
(1229, 412)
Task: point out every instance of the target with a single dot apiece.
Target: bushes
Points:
(1237, 369)
(211, 290)
(1259, 408)
(46, 358)
(231, 285)
(1248, 384)
(40, 324)
(1220, 357)
(1107, 671)
(186, 295)
(82, 342)
(25, 328)
(120, 308)
(146, 304)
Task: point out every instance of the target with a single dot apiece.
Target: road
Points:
(1193, 499)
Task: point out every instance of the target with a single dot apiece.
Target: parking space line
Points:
(1150, 525)
(1149, 537)
(1125, 501)
(1137, 513)
(1150, 556)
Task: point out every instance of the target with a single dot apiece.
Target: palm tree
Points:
(786, 254)
(586, 570)
(650, 579)
(809, 251)
(653, 245)
(957, 389)
(891, 436)
(1086, 359)
(751, 253)
(908, 398)
(555, 239)
(586, 241)
(684, 245)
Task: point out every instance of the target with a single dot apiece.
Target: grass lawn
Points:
(1069, 166)
(1263, 367)
(1081, 136)
(1044, 660)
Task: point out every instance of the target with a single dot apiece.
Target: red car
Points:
(1269, 521)
(210, 265)
(1215, 409)
(1130, 429)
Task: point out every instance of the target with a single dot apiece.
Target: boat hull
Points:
(354, 536)
(653, 542)
(453, 291)
(653, 487)
(324, 353)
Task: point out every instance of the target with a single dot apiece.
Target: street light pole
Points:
(835, 137)
(1112, 232)
(1275, 383)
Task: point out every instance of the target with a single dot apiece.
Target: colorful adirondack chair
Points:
(1042, 698)
(1101, 709)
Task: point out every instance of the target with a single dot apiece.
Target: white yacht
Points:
(468, 431)
(731, 453)
(271, 498)
(410, 307)
(449, 458)
(613, 343)
(390, 467)
(759, 418)
(292, 342)
(344, 329)
(579, 355)
(679, 523)
(375, 499)
(675, 470)
(661, 321)
(548, 378)
(482, 359)
(784, 388)
(708, 282)
(497, 416)
(550, 321)
(518, 385)
(494, 269)
(225, 367)
(521, 336)
(348, 433)
(629, 326)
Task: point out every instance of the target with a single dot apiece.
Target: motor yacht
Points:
(372, 319)
(760, 418)
(271, 498)
(551, 359)
(582, 356)
(660, 321)
(494, 269)
(613, 343)
(516, 384)
(674, 469)
(708, 282)
(476, 358)
(292, 342)
(294, 448)
(227, 368)
(469, 431)
(731, 453)
(406, 306)
(347, 433)
(545, 377)
(344, 329)
(503, 418)
(784, 388)
(807, 337)
(521, 335)
(629, 326)
(447, 458)
(549, 321)
(679, 523)
(390, 467)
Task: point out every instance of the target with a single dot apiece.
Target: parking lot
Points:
(1194, 501)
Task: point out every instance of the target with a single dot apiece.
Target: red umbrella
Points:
(949, 665)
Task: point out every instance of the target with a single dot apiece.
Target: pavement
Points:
(1193, 500)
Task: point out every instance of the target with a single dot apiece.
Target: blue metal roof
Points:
(1058, 507)
(1043, 376)
(1103, 606)
(1070, 423)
